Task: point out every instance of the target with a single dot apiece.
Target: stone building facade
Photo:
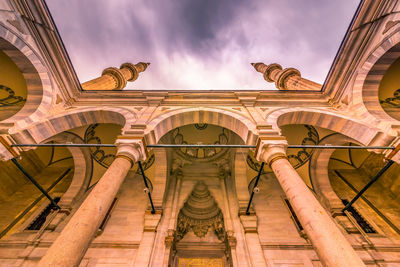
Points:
(198, 215)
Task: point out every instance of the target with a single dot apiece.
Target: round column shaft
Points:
(330, 244)
(114, 78)
(286, 79)
(71, 245)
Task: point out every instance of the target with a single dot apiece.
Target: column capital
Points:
(131, 147)
(267, 150)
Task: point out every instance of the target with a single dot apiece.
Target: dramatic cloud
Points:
(206, 44)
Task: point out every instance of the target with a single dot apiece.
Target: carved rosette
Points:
(200, 213)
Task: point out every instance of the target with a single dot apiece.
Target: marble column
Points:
(114, 78)
(71, 245)
(328, 241)
(286, 79)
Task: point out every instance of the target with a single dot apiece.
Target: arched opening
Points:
(86, 166)
(377, 211)
(372, 94)
(161, 125)
(22, 205)
(191, 170)
(389, 90)
(13, 89)
(23, 90)
(43, 130)
(364, 133)
(200, 237)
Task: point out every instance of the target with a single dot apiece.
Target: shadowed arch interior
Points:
(364, 134)
(41, 131)
(34, 87)
(164, 125)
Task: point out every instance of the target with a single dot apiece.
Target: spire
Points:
(285, 79)
(116, 79)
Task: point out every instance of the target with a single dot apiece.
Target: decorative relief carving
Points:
(392, 102)
(304, 154)
(208, 152)
(176, 167)
(200, 213)
(299, 157)
(224, 167)
(8, 97)
(98, 153)
(201, 126)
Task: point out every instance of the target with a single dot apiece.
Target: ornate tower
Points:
(285, 79)
(116, 79)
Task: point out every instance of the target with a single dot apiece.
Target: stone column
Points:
(71, 245)
(330, 244)
(287, 79)
(114, 78)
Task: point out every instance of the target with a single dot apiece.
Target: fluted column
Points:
(330, 244)
(71, 245)
(285, 79)
(116, 79)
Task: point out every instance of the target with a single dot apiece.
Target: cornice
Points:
(192, 97)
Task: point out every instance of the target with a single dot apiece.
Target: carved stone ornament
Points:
(200, 213)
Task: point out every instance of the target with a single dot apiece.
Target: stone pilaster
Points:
(71, 245)
(6, 151)
(285, 79)
(331, 246)
(146, 246)
(249, 223)
(116, 79)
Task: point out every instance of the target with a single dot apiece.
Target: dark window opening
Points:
(107, 217)
(39, 221)
(359, 219)
(295, 219)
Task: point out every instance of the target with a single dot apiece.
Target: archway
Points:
(357, 130)
(161, 125)
(51, 126)
(366, 89)
(378, 209)
(38, 95)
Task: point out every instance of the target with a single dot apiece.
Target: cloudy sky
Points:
(202, 44)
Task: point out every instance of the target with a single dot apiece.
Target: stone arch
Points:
(240, 125)
(51, 126)
(367, 82)
(319, 172)
(357, 130)
(39, 87)
(82, 165)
